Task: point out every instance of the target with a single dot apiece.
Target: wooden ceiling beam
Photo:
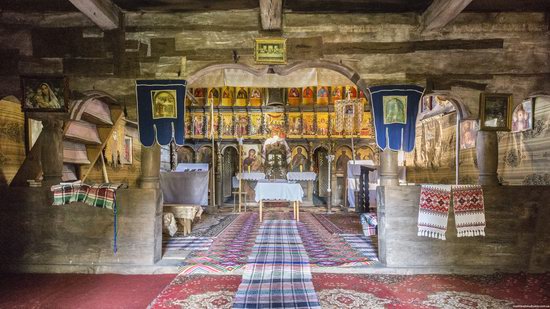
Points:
(442, 12)
(103, 13)
(271, 14)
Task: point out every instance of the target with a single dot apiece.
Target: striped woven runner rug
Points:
(277, 274)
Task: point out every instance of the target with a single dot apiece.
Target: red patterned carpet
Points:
(337, 291)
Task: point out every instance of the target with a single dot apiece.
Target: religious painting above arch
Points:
(204, 155)
(308, 95)
(208, 127)
(161, 112)
(276, 125)
(336, 94)
(242, 96)
(323, 95)
(200, 96)
(395, 109)
(256, 96)
(294, 96)
(228, 93)
(300, 159)
(185, 154)
(213, 97)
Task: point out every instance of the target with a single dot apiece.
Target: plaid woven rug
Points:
(364, 244)
(187, 243)
(277, 274)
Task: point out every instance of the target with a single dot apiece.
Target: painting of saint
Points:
(227, 96)
(336, 94)
(294, 96)
(242, 97)
(199, 94)
(255, 124)
(322, 125)
(255, 97)
(44, 93)
(209, 125)
(395, 109)
(188, 125)
(494, 112)
(184, 154)
(322, 95)
(204, 154)
(241, 124)
(308, 126)
(213, 97)
(522, 118)
(366, 153)
(351, 92)
(227, 125)
(307, 95)
(300, 161)
(276, 125)
(468, 134)
(252, 162)
(164, 104)
(332, 126)
(294, 124)
(343, 156)
(367, 127)
(363, 98)
(198, 125)
(426, 104)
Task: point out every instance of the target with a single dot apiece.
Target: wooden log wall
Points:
(504, 52)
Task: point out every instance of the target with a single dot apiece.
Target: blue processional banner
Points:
(161, 111)
(395, 108)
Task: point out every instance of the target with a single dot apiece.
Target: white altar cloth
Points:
(251, 176)
(282, 191)
(301, 176)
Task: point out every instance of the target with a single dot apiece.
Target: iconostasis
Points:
(256, 113)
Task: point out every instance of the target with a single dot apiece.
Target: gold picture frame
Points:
(270, 51)
(495, 111)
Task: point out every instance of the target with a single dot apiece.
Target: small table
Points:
(280, 191)
(185, 212)
(306, 178)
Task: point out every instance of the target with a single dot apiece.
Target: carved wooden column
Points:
(487, 157)
(389, 172)
(218, 176)
(150, 167)
(51, 151)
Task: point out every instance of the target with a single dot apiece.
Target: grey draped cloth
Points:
(185, 187)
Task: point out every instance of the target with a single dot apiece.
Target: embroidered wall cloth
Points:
(161, 111)
(395, 108)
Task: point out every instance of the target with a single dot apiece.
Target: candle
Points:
(301, 168)
(249, 168)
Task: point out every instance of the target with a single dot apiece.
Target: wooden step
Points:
(97, 112)
(75, 153)
(69, 173)
(82, 132)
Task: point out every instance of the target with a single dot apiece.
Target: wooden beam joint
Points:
(271, 14)
(442, 12)
(103, 13)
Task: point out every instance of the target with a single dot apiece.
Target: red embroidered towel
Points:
(469, 210)
(434, 210)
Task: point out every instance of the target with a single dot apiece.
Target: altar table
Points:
(306, 179)
(280, 191)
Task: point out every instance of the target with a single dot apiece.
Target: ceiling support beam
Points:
(442, 12)
(103, 13)
(271, 14)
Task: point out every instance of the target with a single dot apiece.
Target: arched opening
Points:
(229, 168)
